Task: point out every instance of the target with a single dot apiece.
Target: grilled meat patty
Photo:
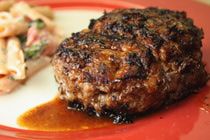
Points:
(130, 61)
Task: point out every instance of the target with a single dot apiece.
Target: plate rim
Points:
(16, 133)
(7, 132)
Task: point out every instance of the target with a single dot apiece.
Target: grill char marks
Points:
(130, 61)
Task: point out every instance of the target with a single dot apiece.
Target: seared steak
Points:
(130, 61)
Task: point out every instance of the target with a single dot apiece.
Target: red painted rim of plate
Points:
(87, 4)
(9, 133)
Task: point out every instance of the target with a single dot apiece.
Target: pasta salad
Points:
(27, 34)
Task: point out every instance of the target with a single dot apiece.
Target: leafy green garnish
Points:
(34, 50)
(31, 52)
(38, 23)
(22, 38)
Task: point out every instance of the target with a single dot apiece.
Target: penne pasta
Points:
(7, 84)
(6, 4)
(3, 58)
(24, 9)
(10, 26)
(15, 59)
(5, 16)
(28, 38)
(44, 10)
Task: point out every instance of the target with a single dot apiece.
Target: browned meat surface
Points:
(130, 61)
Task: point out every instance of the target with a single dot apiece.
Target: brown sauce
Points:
(54, 116)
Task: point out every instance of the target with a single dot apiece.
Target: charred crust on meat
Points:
(130, 61)
(92, 22)
(87, 77)
(76, 105)
(102, 68)
(117, 116)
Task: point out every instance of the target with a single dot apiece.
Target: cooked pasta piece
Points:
(5, 16)
(44, 10)
(6, 4)
(28, 38)
(3, 58)
(11, 26)
(15, 59)
(24, 9)
(8, 84)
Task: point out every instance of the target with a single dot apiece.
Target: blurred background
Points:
(205, 1)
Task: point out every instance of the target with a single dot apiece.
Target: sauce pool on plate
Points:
(54, 116)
